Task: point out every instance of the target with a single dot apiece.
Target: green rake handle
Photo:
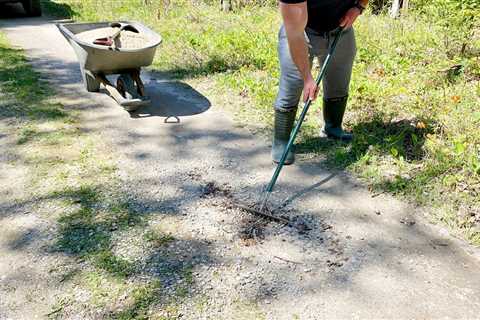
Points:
(294, 134)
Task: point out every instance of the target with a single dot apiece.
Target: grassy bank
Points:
(414, 99)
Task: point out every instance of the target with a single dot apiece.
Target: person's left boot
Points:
(333, 112)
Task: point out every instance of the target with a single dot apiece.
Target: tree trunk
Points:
(397, 7)
(226, 5)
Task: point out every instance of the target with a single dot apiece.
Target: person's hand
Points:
(310, 89)
(349, 18)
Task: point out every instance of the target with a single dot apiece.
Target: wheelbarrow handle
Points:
(115, 25)
(127, 27)
(109, 41)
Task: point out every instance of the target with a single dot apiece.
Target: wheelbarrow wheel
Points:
(126, 87)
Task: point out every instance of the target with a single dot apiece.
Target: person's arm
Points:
(351, 16)
(295, 17)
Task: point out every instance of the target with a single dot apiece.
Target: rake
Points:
(269, 189)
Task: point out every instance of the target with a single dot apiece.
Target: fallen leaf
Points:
(456, 99)
(421, 125)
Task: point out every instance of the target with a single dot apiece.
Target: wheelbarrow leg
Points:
(138, 80)
(128, 104)
(111, 89)
(92, 84)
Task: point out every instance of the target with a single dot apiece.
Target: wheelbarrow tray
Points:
(105, 60)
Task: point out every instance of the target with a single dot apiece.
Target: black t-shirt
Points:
(325, 15)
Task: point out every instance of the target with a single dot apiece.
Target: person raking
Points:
(307, 31)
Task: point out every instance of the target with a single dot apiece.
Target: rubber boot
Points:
(333, 111)
(283, 126)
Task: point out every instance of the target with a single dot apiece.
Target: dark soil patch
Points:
(252, 231)
(252, 227)
(212, 189)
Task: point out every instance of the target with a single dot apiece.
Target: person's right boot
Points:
(283, 126)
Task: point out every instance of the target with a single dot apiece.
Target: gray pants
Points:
(337, 78)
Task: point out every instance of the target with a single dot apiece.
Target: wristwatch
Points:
(359, 6)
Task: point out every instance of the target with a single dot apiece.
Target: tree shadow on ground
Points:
(58, 10)
(172, 100)
(379, 137)
(89, 234)
(399, 138)
(17, 77)
(403, 138)
(87, 231)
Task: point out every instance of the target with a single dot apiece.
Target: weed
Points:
(143, 297)
(26, 134)
(158, 239)
(114, 265)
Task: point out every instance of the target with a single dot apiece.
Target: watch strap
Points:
(359, 6)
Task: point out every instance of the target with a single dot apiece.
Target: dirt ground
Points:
(355, 256)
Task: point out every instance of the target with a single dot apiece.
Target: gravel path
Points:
(355, 256)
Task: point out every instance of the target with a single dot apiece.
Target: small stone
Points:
(407, 222)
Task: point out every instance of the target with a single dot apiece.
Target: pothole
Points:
(307, 233)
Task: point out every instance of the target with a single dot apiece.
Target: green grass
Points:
(414, 116)
(142, 297)
(157, 239)
(20, 81)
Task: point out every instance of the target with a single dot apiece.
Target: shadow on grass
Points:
(215, 65)
(403, 139)
(86, 231)
(88, 234)
(58, 10)
(29, 93)
(142, 298)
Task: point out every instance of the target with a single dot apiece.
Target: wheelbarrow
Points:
(107, 48)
